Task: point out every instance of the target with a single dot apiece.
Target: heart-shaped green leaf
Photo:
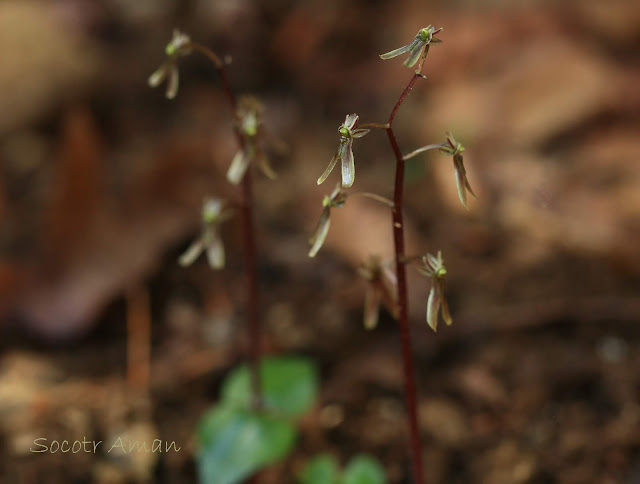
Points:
(289, 386)
(234, 443)
(322, 469)
(364, 469)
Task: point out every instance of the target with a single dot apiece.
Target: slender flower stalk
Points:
(420, 150)
(422, 40)
(249, 239)
(373, 196)
(401, 276)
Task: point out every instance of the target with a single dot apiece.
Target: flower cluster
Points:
(249, 121)
(419, 45)
(434, 268)
(337, 198)
(348, 132)
(214, 212)
(179, 46)
(382, 289)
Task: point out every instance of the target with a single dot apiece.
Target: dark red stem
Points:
(249, 238)
(254, 328)
(401, 274)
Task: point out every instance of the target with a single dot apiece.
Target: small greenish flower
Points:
(337, 199)
(249, 122)
(179, 46)
(454, 148)
(382, 289)
(434, 268)
(214, 212)
(348, 133)
(450, 147)
(421, 42)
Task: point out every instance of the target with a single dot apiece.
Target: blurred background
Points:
(101, 181)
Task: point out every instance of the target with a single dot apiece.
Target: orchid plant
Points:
(246, 121)
(264, 398)
(384, 286)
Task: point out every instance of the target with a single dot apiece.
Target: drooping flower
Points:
(179, 46)
(348, 132)
(337, 198)
(434, 268)
(450, 147)
(421, 42)
(382, 289)
(249, 121)
(454, 148)
(214, 212)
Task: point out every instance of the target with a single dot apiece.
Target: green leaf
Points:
(364, 469)
(234, 443)
(289, 386)
(322, 469)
